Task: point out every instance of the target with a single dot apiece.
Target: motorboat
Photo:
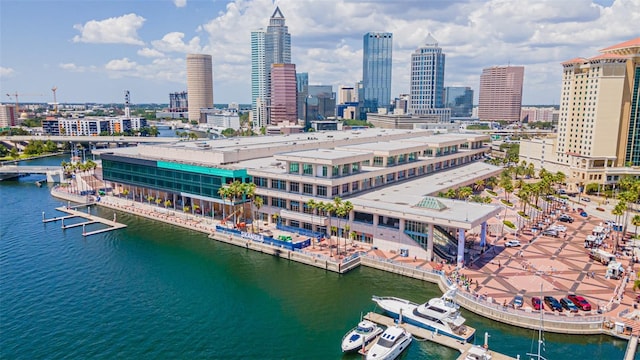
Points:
(477, 352)
(441, 315)
(360, 336)
(393, 341)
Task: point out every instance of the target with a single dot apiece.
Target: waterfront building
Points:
(377, 51)
(390, 177)
(272, 46)
(283, 94)
(427, 78)
(223, 119)
(92, 126)
(598, 138)
(501, 93)
(199, 84)
(459, 99)
(8, 116)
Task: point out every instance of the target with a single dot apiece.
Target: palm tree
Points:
(479, 185)
(312, 204)
(348, 207)
(224, 194)
(635, 221)
(167, 203)
(249, 191)
(258, 201)
(464, 192)
(618, 211)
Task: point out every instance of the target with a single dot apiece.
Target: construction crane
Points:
(15, 96)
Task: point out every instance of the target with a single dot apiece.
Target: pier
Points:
(91, 219)
(632, 346)
(462, 347)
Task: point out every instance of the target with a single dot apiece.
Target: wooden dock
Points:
(91, 219)
(418, 332)
(632, 346)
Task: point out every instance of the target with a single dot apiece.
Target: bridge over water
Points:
(53, 173)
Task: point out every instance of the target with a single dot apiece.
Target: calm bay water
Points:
(154, 291)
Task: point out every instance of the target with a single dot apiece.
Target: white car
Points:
(558, 228)
(512, 243)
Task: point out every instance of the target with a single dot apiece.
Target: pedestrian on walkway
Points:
(499, 265)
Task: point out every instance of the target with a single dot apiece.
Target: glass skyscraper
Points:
(272, 46)
(427, 78)
(459, 99)
(377, 51)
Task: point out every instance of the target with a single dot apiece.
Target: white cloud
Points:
(123, 64)
(6, 72)
(115, 30)
(152, 53)
(173, 42)
(180, 3)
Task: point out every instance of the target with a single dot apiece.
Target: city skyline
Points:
(101, 48)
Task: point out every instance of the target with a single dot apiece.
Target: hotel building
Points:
(501, 93)
(199, 84)
(598, 137)
(390, 177)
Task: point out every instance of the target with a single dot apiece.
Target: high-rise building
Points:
(8, 116)
(598, 138)
(459, 99)
(178, 102)
(302, 83)
(199, 84)
(283, 94)
(272, 46)
(501, 93)
(377, 49)
(427, 78)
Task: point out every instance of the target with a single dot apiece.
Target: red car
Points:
(580, 302)
(537, 304)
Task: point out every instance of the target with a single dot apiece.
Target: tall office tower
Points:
(8, 116)
(501, 93)
(302, 83)
(377, 51)
(272, 46)
(427, 78)
(199, 84)
(346, 94)
(600, 110)
(259, 76)
(459, 99)
(283, 94)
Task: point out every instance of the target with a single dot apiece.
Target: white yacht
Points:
(478, 353)
(390, 344)
(441, 314)
(360, 336)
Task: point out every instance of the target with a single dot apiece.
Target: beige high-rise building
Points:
(199, 84)
(598, 136)
(501, 93)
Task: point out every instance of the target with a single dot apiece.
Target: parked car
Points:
(536, 303)
(580, 302)
(609, 222)
(568, 304)
(553, 303)
(565, 218)
(512, 243)
(584, 214)
(585, 199)
(550, 232)
(561, 228)
(518, 301)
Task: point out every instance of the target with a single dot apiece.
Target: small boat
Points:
(390, 344)
(360, 336)
(441, 314)
(478, 353)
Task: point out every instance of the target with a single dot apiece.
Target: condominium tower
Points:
(199, 84)
(272, 46)
(427, 78)
(377, 51)
(501, 93)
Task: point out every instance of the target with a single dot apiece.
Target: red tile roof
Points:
(608, 56)
(574, 61)
(623, 45)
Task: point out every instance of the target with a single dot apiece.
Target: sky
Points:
(94, 50)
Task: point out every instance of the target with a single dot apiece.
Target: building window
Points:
(307, 189)
(335, 190)
(294, 168)
(295, 206)
(260, 181)
(324, 171)
(391, 160)
(345, 169)
(336, 171)
(279, 203)
(355, 167)
(322, 190)
(345, 188)
(294, 223)
(377, 161)
(294, 187)
(307, 169)
(278, 184)
(355, 186)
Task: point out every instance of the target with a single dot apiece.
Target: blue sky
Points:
(93, 50)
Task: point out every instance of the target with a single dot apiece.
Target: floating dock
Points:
(91, 219)
(418, 332)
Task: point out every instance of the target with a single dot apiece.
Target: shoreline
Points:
(582, 325)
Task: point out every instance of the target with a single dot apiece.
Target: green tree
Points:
(14, 153)
(258, 202)
(228, 132)
(635, 221)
